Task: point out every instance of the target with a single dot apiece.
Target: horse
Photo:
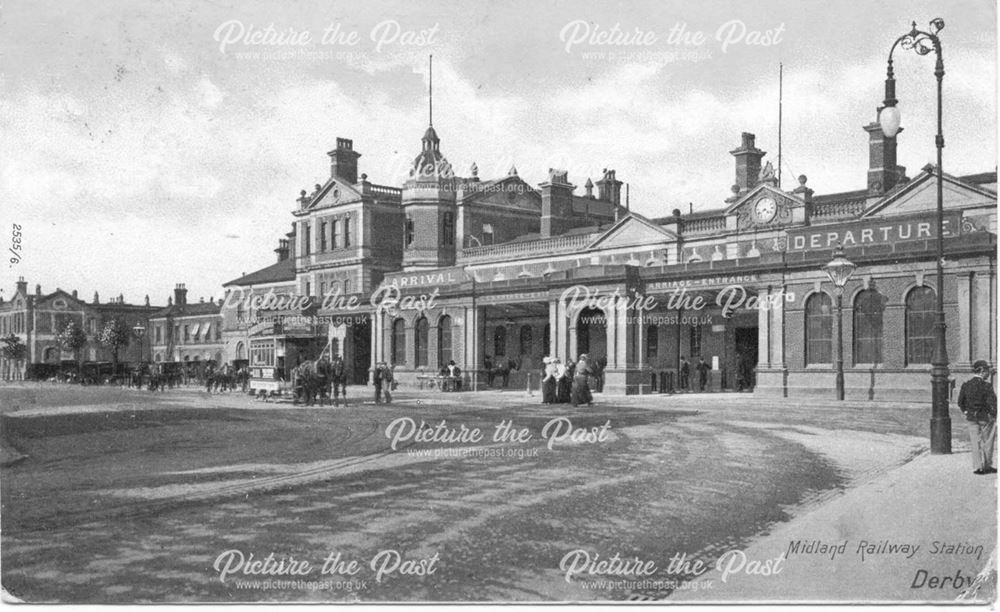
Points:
(307, 382)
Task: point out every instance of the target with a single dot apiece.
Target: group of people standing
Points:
(702, 368)
(563, 384)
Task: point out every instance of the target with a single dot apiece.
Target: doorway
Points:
(746, 358)
(361, 340)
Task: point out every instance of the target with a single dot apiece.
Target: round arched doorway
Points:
(591, 334)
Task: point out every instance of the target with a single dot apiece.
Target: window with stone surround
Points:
(921, 305)
(868, 307)
(819, 329)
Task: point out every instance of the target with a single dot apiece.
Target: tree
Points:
(14, 351)
(72, 338)
(113, 337)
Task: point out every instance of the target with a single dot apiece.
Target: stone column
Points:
(967, 319)
(763, 333)
(777, 317)
(611, 333)
(553, 329)
(984, 306)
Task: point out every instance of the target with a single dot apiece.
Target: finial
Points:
(513, 171)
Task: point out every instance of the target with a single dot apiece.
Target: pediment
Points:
(920, 195)
(744, 209)
(59, 300)
(509, 192)
(633, 230)
(334, 193)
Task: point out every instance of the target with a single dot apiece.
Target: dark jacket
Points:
(977, 400)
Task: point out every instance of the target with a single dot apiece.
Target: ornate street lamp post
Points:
(924, 43)
(139, 330)
(840, 270)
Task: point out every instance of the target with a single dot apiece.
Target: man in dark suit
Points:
(703, 369)
(685, 374)
(978, 402)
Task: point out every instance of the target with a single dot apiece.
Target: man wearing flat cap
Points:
(978, 403)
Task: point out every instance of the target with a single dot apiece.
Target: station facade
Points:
(490, 272)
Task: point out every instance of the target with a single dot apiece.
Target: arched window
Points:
(421, 342)
(322, 236)
(652, 342)
(819, 329)
(158, 358)
(399, 342)
(348, 220)
(448, 229)
(444, 341)
(868, 307)
(347, 286)
(920, 315)
(333, 234)
(525, 338)
(409, 231)
(239, 351)
(499, 341)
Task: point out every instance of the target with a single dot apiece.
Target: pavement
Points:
(934, 502)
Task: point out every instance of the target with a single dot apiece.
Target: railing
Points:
(543, 246)
(844, 208)
(381, 190)
(705, 225)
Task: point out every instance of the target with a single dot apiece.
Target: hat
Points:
(981, 365)
(546, 360)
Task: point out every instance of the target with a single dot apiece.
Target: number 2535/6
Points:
(15, 244)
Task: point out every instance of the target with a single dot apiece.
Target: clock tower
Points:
(429, 206)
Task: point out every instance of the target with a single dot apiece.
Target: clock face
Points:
(765, 209)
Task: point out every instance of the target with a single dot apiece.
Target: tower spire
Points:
(430, 91)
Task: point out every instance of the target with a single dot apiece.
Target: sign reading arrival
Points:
(870, 232)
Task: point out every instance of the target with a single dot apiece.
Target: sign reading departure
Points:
(870, 232)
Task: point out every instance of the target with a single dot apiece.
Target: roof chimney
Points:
(344, 161)
(97, 298)
(282, 250)
(748, 158)
(557, 203)
(38, 289)
(883, 173)
(180, 294)
(22, 285)
(609, 188)
(74, 294)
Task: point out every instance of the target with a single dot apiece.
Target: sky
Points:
(146, 144)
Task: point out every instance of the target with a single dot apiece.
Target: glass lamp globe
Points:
(889, 120)
(839, 269)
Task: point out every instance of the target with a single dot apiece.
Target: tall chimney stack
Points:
(883, 173)
(344, 161)
(748, 158)
(180, 294)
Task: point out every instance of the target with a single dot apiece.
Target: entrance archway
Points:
(591, 334)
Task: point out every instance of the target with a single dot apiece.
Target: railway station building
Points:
(496, 271)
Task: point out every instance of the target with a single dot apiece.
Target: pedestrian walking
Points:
(338, 377)
(580, 393)
(978, 402)
(549, 381)
(684, 376)
(703, 369)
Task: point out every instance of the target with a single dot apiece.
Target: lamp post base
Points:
(940, 419)
(941, 436)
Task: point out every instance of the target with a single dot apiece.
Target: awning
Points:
(208, 329)
(194, 332)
